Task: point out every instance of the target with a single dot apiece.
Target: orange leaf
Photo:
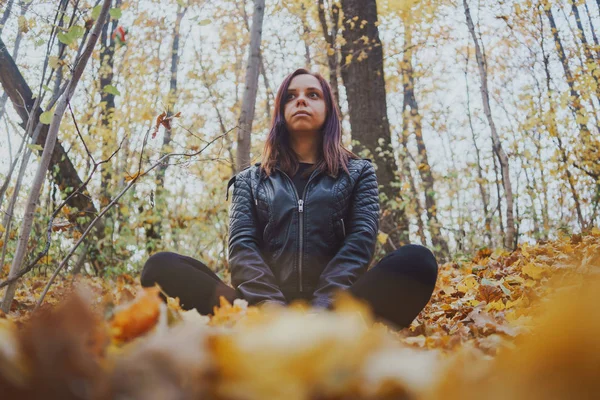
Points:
(138, 317)
(132, 177)
(159, 121)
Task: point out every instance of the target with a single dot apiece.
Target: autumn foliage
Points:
(503, 325)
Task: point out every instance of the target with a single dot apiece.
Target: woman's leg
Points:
(189, 279)
(400, 285)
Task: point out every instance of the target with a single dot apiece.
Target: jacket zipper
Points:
(301, 223)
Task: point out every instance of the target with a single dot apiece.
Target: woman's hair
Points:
(278, 150)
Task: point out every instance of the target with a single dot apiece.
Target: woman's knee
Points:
(156, 266)
(415, 260)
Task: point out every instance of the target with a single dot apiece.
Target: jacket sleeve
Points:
(250, 274)
(352, 259)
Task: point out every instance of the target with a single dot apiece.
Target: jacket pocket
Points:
(339, 228)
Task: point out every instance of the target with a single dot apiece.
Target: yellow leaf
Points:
(348, 58)
(382, 237)
(468, 283)
(511, 304)
(533, 270)
(497, 305)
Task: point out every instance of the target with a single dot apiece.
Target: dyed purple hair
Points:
(278, 151)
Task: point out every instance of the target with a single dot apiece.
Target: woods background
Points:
(481, 117)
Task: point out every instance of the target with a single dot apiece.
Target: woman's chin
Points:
(302, 127)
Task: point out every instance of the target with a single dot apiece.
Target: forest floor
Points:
(518, 325)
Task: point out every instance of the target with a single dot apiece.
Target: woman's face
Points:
(305, 109)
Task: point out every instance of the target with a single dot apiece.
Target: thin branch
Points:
(134, 179)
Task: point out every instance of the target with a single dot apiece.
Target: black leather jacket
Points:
(284, 246)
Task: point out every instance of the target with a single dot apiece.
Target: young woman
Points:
(304, 223)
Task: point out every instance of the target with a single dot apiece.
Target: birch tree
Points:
(42, 169)
(251, 88)
(509, 239)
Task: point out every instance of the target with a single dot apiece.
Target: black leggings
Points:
(397, 288)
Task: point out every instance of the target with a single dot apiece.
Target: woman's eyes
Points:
(313, 95)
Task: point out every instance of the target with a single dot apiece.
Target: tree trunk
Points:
(410, 113)
(414, 198)
(552, 128)
(6, 14)
(365, 89)
(509, 239)
(499, 196)
(249, 99)
(591, 65)
(544, 188)
(305, 37)
(332, 47)
(15, 53)
(46, 157)
(480, 176)
(3, 100)
(153, 228)
(8, 216)
(532, 192)
(589, 164)
(263, 73)
(596, 44)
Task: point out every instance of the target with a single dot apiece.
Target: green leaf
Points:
(181, 3)
(46, 88)
(46, 117)
(110, 89)
(486, 281)
(35, 147)
(53, 62)
(96, 12)
(65, 38)
(204, 22)
(76, 31)
(505, 289)
(115, 13)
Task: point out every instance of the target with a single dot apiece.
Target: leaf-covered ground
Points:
(511, 325)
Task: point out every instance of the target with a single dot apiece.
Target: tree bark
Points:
(15, 53)
(509, 239)
(332, 47)
(414, 198)
(107, 100)
(46, 157)
(3, 100)
(305, 36)
(589, 163)
(552, 128)
(594, 36)
(591, 65)
(480, 176)
(263, 73)
(411, 114)
(6, 14)
(249, 99)
(365, 89)
(153, 230)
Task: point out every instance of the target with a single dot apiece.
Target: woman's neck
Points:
(306, 148)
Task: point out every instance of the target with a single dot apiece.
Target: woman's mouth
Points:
(301, 114)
